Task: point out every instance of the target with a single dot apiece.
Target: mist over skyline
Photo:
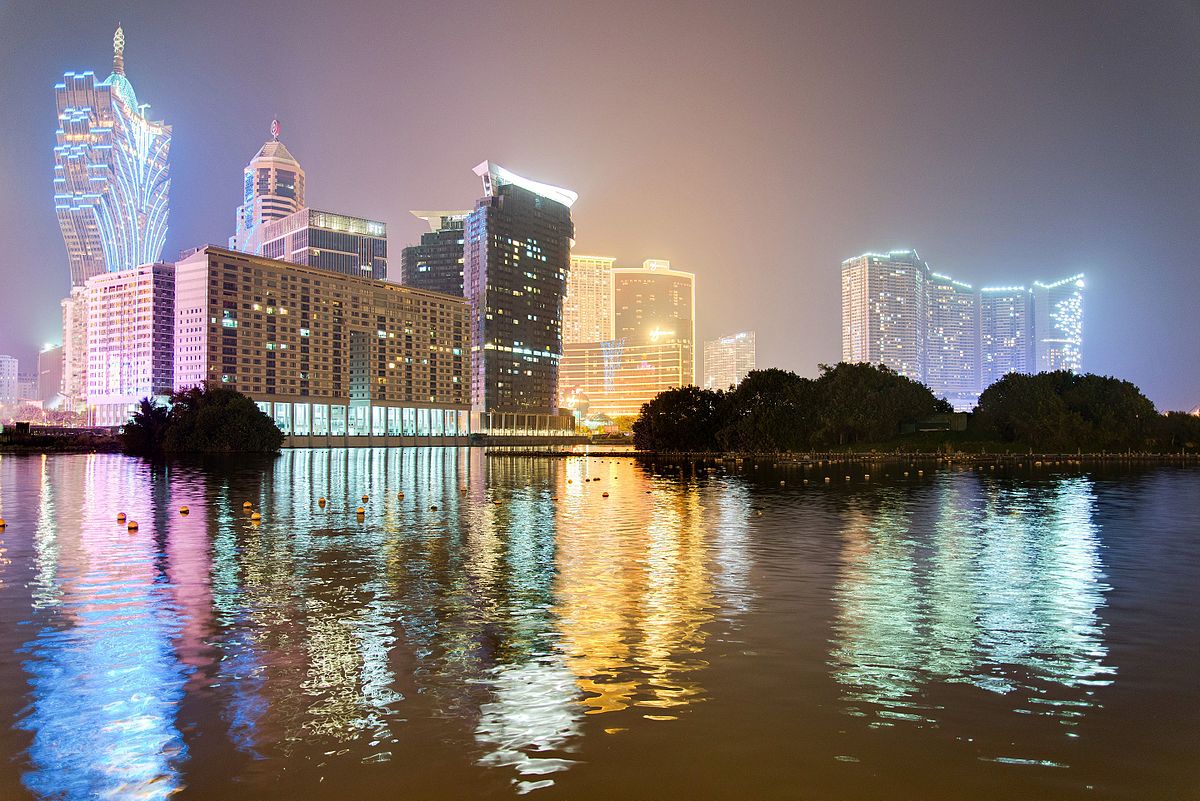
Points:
(756, 146)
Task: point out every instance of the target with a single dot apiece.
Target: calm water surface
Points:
(712, 634)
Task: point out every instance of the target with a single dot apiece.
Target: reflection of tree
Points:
(1001, 589)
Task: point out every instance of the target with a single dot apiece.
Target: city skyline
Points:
(1127, 233)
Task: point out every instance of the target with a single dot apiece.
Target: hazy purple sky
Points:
(755, 144)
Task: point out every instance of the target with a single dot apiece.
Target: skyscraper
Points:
(1058, 324)
(884, 317)
(272, 188)
(74, 326)
(587, 308)
(8, 379)
(728, 360)
(50, 374)
(437, 262)
(111, 172)
(952, 341)
(655, 304)
(1005, 333)
(517, 247)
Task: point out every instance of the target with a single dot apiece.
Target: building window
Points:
(301, 419)
(410, 422)
(337, 421)
(283, 417)
(320, 419)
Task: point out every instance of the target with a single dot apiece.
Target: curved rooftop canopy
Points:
(495, 176)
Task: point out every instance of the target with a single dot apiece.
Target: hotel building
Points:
(655, 304)
(436, 263)
(337, 243)
(587, 307)
(333, 359)
(1058, 324)
(111, 172)
(1005, 333)
(728, 360)
(952, 344)
(883, 311)
(615, 378)
(74, 324)
(516, 254)
(9, 371)
(130, 340)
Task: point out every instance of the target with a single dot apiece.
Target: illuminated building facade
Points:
(9, 370)
(883, 311)
(111, 172)
(728, 360)
(338, 243)
(587, 307)
(655, 304)
(436, 263)
(1058, 324)
(1005, 333)
(50, 374)
(952, 344)
(272, 188)
(74, 323)
(130, 340)
(516, 254)
(336, 360)
(615, 378)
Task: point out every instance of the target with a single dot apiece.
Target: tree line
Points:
(201, 419)
(774, 411)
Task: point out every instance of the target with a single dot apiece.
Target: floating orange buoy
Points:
(132, 525)
(554, 497)
(120, 517)
(360, 511)
(256, 516)
(320, 501)
(433, 508)
(365, 499)
(247, 505)
(826, 479)
(3, 523)
(570, 481)
(605, 494)
(497, 501)
(400, 495)
(183, 510)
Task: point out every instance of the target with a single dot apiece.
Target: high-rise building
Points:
(952, 341)
(436, 263)
(517, 247)
(75, 345)
(50, 374)
(131, 338)
(728, 360)
(1058, 324)
(1005, 333)
(883, 311)
(587, 307)
(111, 172)
(8, 379)
(655, 304)
(272, 188)
(333, 359)
(338, 243)
(614, 378)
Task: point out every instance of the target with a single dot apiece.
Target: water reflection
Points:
(993, 584)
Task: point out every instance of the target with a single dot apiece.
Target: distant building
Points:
(111, 172)
(1058, 324)
(131, 340)
(587, 307)
(952, 341)
(333, 359)
(615, 378)
(75, 349)
(1005, 333)
(655, 304)
(436, 263)
(272, 188)
(324, 240)
(27, 388)
(728, 360)
(884, 316)
(8, 379)
(517, 245)
(50, 374)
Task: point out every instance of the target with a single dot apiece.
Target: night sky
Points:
(754, 144)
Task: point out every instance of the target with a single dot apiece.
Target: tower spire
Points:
(119, 51)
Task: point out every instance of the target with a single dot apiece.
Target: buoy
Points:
(570, 481)
(256, 516)
(647, 492)
(360, 511)
(847, 478)
(365, 499)
(781, 482)
(183, 510)
(906, 474)
(497, 501)
(554, 497)
(3, 523)
(247, 505)
(806, 481)
(826, 479)
(920, 472)
(605, 494)
(320, 501)
(120, 517)
(400, 495)
(132, 525)
(433, 508)
(866, 476)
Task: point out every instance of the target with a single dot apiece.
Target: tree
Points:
(202, 420)
(146, 429)
(769, 411)
(683, 419)
(868, 403)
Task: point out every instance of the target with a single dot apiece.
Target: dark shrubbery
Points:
(776, 410)
(202, 420)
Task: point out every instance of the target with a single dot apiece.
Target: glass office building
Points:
(436, 263)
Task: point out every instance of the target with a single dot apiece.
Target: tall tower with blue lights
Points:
(111, 172)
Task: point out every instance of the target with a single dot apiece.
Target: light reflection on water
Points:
(511, 634)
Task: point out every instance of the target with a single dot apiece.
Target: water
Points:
(1008, 634)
